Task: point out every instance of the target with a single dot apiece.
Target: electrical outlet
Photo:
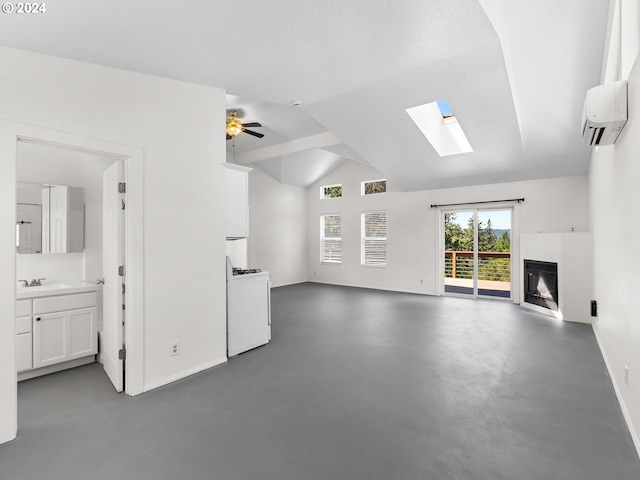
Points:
(175, 348)
(421, 282)
(626, 375)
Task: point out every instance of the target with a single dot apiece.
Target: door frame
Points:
(133, 159)
(515, 247)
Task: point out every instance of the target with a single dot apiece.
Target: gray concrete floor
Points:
(356, 384)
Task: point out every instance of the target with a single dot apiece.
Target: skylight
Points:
(437, 122)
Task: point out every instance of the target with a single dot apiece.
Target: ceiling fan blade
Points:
(251, 132)
(229, 137)
(252, 124)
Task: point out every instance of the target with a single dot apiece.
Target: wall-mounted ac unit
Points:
(604, 113)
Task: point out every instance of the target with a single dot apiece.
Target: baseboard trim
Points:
(187, 373)
(552, 313)
(369, 287)
(623, 407)
(58, 367)
(289, 283)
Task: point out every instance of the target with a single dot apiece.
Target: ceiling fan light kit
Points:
(235, 127)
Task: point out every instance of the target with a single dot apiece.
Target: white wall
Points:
(552, 205)
(184, 182)
(237, 252)
(55, 267)
(277, 229)
(614, 177)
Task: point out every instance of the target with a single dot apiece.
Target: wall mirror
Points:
(50, 218)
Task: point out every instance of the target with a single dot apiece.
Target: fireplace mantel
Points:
(574, 255)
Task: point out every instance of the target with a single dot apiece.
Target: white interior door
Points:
(112, 259)
(29, 218)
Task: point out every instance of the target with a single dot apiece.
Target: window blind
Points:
(374, 238)
(331, 238)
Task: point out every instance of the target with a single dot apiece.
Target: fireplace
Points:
(541, 284)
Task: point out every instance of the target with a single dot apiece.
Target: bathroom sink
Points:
(51, 286)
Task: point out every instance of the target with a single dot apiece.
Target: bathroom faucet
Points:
(24, 283)
(36, 282)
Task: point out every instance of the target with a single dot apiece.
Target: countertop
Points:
(56, 288)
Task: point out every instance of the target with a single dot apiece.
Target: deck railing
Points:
(493, 266)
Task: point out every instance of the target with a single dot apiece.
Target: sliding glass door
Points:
(477, 253)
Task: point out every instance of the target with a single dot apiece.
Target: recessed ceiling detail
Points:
(437, 122)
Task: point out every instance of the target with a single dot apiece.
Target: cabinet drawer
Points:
(23, 307)
(23, 325)
(64, 302)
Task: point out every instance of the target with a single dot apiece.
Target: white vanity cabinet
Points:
(61, 329)
(64, 328)
(237, 200)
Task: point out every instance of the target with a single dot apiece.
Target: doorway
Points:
(131, 160)
(476, 258)
(11, 133)
(82, 240)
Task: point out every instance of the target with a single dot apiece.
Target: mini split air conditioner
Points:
(604, 113)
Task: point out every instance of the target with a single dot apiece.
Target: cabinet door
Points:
(82, 335)
(24, 352)
(49, 339)
(63, 336)
(237, 202)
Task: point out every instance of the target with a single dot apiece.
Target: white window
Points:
(373, 187)
(331, 191)
(331, 238)
(437, 122)
(374, 238)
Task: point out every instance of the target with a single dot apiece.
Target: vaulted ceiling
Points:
(514, 72)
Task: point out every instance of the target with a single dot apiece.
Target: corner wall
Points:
(184, 185)
(277, 229)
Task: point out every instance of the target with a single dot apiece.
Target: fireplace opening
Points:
(541, 283)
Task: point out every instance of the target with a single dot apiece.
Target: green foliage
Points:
(504, 243)
(333, 191)
(458, 239)
(453, 233)
(486, 238)
(379, 186)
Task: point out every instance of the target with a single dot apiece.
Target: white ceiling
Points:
(514, 72)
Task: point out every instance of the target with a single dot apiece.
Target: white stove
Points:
(248, 309)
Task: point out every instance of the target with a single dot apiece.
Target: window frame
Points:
(323, 238)
(364, 238)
